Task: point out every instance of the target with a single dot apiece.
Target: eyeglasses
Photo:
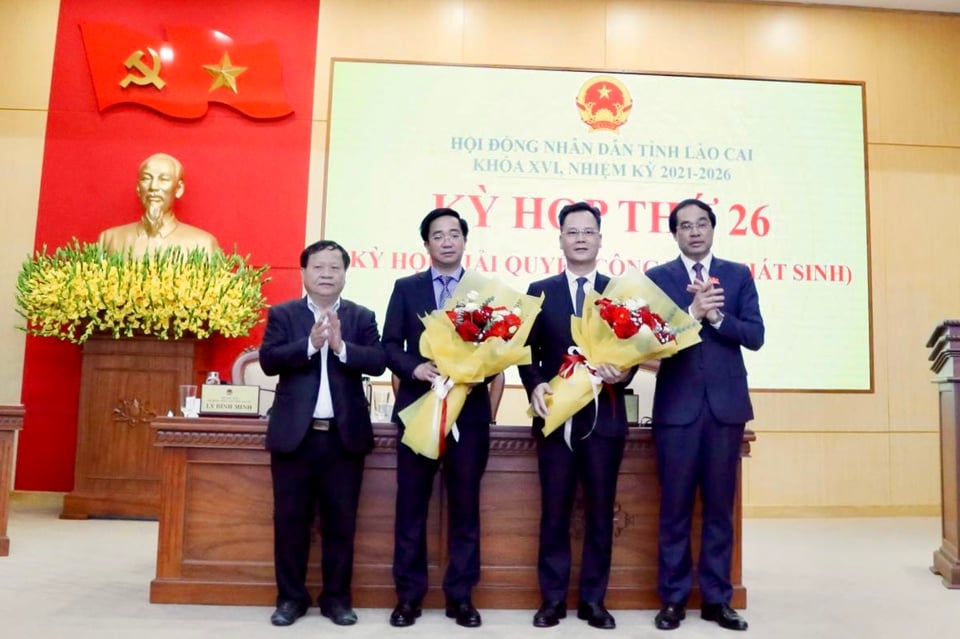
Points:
(452, 235)
(687, 227)
(586, 233)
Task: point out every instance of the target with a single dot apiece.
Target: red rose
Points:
(481, 316)
(468, 331)
(620, 315)
(499, 329)
(625, 330)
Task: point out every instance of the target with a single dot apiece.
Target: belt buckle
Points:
(321, 424)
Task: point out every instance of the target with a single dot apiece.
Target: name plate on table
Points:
(230, 399)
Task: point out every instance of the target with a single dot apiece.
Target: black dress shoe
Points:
(550, 614)
(339, 614)
(464, 612)
(670, 616)
(596, 615)
(724, 615)
(287, 612)
(405, 613)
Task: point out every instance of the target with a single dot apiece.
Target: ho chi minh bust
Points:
(160, 183)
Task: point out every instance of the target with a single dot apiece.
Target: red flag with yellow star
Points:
(181, 75)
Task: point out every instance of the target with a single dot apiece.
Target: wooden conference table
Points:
(216, 532)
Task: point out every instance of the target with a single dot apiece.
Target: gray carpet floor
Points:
(806, 578)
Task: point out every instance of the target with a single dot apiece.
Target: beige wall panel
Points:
(915, 468)
(856, 469)
(746, 472)
(820, 470)
(785, 469)
(419, 30)
(882, 224)
(318, 156)
(21, 138)
(551, 33)
(813, 43)
(820, 411)
(513, 407)
(28, 30)
(919, 59)
(910, 185)
(677, 37)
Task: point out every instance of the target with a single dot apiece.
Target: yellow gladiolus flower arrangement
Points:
(80, 290)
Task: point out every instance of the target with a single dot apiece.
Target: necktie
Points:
(698, 272)
(580, 295)
(445, 292)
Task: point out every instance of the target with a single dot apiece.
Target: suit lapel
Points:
(345, 315)
(425, 296)
(305, 318)
(561, 291)
(717, 268)
(601, 283)
(680, 281)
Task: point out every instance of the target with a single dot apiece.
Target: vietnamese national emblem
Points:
(604, 103)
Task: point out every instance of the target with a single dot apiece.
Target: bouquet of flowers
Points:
(80, 290)
(477, 322)
(481, 331)
(629, 317)
(632, 322)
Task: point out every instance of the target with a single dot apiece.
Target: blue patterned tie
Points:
(581, 294)
(445, 291)
(698, 272)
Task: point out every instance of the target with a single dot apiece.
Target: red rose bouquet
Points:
(629, 317)
(469, 340)
(477, 323)
(633, 322)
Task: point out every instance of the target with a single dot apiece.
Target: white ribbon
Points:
(595, 382)
(441, 386)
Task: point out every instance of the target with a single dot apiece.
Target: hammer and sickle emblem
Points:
(150, 75)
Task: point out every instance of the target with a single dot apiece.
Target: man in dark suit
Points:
(319, 431)
(444, 235)
(700, 409)
(597, 437)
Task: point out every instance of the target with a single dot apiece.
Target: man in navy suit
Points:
(444, 235)
(319, 431)
(700, 409)
(597, 436)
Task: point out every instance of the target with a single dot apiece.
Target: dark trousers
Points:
(320, 476)
(704, 455)
(462, 465)
(594, 463)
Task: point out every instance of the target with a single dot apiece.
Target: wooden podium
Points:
(11, 420)
(216, 534)
(124, 385)
(944, 346)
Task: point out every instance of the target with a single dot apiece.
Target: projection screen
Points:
(781, 162)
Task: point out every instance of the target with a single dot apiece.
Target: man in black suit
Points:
(700, 408)
(597, 437)
(444, 235)
(319, 431)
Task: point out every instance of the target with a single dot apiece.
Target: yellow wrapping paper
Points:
(463, 363)
(597, 342)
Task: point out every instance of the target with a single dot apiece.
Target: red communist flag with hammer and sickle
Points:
(181, 75)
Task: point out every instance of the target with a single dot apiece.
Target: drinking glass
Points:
(189, 402)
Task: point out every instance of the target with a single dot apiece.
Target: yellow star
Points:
(604, 92)
(224, 74)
